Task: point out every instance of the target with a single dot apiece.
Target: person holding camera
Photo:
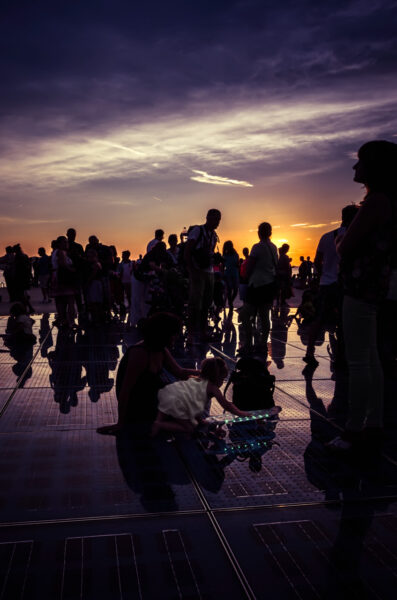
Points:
(199, 258)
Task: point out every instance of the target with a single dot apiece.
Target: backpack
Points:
(253, 385)
(203, 255)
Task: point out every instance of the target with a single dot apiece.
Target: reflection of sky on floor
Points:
(267, 498)
(56, 467)
(151, 116)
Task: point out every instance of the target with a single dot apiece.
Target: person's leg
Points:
(165, 423)
(207, 298)
(246, 315)
(137, 301)
(60, 304)
(365, 372)
(196, 291)
(127, 289)
(70, 310)
(264, 318)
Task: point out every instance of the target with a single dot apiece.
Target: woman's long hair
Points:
(228, 248)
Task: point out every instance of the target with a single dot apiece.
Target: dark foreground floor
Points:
(95, 517)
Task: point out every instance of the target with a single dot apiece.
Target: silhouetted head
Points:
(159, 234)
(377, 166)
(71, 234)
(17, 249)
(113, 251)
(284, 249)
(160, 330)
(126, 254)
(9, 250)
(41, 251)
(348, 214)
(213, 219)
(228, 248)
(17, 309)
(308, 258)
(214, 370)
(246, 252)
(93, 240)
(54, 244)
(173, 240)
(264, 231)
(62, 242)
(302, 258)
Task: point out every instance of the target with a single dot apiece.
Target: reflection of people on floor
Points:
(143, 463)
(45, 335)
(340, 477)
(22, 353)
(279, 336)
(66, 377)
(20, 326)
(229, 341)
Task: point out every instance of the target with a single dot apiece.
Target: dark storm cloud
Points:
(78, 66)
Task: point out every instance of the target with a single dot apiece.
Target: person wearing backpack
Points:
(199, 259)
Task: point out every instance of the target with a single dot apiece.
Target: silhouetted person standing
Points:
(261, 273)
(158, 237)
(22, 277)
(76, 253)
(368, 258)
(199, 258)
(7, 264)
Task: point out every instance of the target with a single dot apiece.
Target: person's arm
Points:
(319, 258)
(250, 265)
(374, 211)
(189, 247)
(172, 366)
(62, 260)
(214, 392)
(137, 363)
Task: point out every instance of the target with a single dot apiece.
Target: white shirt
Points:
(327, 248)
(266, 259)
(125, 269)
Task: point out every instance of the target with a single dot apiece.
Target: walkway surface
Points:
(94, 517)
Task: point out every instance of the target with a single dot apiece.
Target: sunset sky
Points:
(121, 117)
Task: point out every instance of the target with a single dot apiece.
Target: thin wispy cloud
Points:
(234, 139)
(309, 225)
(17, 220)
(121, 147)
(204, 177)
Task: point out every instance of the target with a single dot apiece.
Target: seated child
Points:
(181, 404)
(19, 325)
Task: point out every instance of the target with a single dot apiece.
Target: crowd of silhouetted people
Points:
(349, 289)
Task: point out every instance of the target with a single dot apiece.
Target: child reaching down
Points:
(182, 404)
